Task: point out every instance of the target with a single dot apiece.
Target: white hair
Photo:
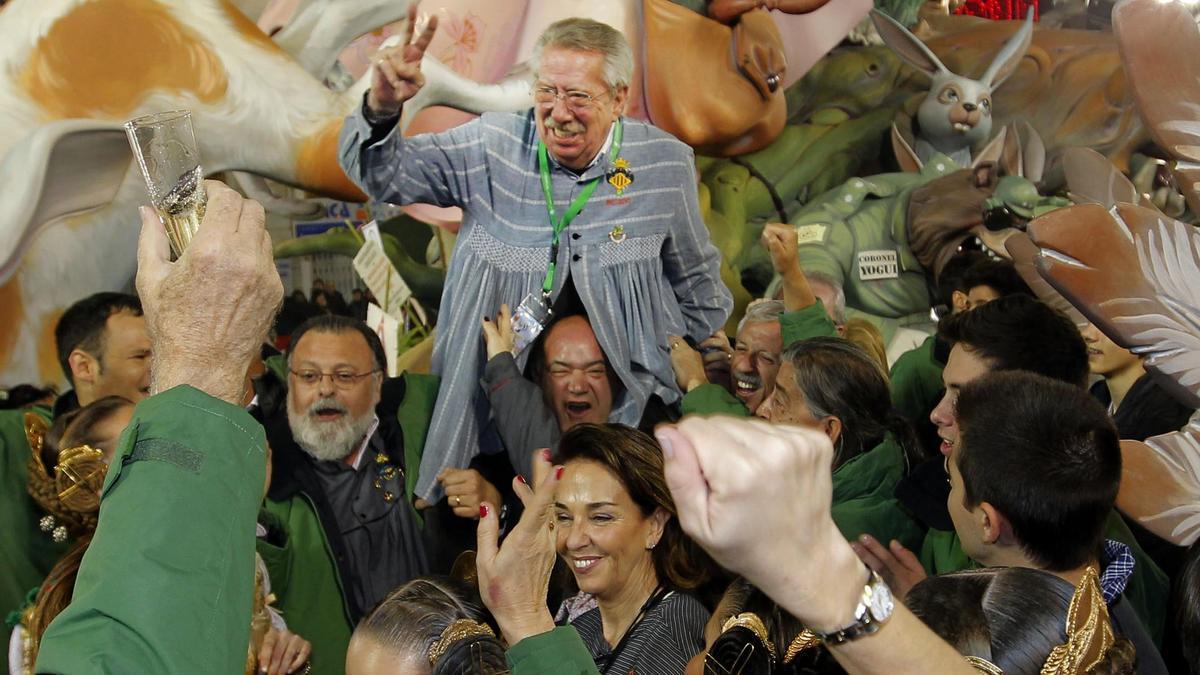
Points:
(328, 441)
(762, 311)
(838, 311)
(587, 35)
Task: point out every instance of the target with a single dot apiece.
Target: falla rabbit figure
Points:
(956, 116)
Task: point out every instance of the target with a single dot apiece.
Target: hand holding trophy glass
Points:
(165, 147)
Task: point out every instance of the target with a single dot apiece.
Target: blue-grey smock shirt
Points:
(662, 277)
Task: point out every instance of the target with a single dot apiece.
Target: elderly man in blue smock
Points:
(568, 199)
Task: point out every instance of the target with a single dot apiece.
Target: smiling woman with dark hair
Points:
(617, 531)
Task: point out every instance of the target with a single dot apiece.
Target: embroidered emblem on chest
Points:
(619, 176)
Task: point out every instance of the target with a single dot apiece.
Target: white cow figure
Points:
(70, 73)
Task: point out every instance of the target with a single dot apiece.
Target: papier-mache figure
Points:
(1135, 273)
(955, 119)
(882, 236)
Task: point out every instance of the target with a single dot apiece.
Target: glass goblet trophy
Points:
(165, 147)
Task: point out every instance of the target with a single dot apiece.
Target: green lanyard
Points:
(560, 224)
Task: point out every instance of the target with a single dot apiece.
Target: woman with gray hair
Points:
(835, 387)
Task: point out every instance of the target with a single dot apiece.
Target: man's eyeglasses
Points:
(574, 100)
(342, 379)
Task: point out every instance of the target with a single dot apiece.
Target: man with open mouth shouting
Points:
(570, 383)
(341, 523)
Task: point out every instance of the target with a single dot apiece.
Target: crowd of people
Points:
(595, 478)
(323, 299)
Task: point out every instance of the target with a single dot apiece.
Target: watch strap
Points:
(866, 622)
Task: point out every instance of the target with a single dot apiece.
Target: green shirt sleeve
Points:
(712, 399)
(802, 324)
(558, 652)
(166, 585)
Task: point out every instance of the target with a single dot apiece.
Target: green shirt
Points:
(917, 382)
(167, 582)
(863, 502)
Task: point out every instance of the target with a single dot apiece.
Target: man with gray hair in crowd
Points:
(567, 205)
(753, 365)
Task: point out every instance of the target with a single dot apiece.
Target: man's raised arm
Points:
(167, 581)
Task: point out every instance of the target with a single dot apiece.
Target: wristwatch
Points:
(873, 610)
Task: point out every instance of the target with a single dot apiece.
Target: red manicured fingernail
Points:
(559, 472)
(522, 479)
(546, 454)
(483, 510)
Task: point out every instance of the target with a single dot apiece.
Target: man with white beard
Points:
(342, 529)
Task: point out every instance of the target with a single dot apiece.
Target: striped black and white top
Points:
(662, 643)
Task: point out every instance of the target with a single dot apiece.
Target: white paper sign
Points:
(878, 265)
(388, 330)
(380, 275)
(370, 232)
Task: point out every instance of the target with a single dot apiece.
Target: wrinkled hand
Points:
(208, 313)
(498, 335)
(466, 489)
(515, 578)
(756, 496)
(783, 247)
(282, 652)
(396, 73)
(898, 566)
(687, 363)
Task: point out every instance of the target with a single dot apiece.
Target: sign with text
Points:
(380, 275)
(878, 265)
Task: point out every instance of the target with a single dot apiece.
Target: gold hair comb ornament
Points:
(751, 622)
(984, 666)
(1089, 633)
(63, 519)
(804, 641)
(459, 630)
(79, 477)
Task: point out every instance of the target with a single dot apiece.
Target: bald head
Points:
(575, 374)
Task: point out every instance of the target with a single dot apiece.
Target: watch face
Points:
(882, 603)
